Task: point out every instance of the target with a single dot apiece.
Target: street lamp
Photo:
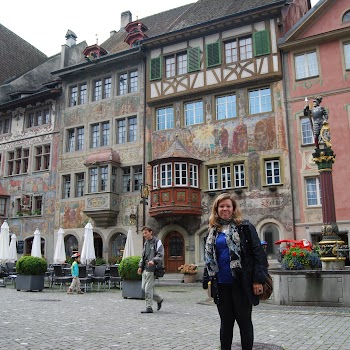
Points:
(134, 216)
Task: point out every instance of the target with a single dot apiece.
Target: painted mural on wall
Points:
(72, 215)
(128, 205)
(221, 140)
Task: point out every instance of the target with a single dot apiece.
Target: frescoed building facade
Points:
(316, 54)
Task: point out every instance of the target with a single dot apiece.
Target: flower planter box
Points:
(30, 282)
(189, 278)
(132, 289)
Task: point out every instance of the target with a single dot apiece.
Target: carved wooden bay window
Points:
(175, 183)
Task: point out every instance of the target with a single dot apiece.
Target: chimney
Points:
(111, 33)
(71, 38)
(126, 18)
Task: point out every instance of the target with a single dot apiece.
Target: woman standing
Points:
(237, 267)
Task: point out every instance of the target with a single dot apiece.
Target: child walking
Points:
(75, 275)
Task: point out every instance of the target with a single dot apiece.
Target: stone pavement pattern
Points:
(104, 320)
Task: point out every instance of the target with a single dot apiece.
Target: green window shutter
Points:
(213, 54)
(194, 59)
(261, 43)
(156, 68)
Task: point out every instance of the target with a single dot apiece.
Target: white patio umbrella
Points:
(59, 256)
(4, 242)
(129, 246)
(36, 247)
(88, 250)
(13, 249)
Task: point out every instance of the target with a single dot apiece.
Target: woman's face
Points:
(225, 209)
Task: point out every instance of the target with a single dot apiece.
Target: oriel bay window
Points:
(102, 179)
(184, 173)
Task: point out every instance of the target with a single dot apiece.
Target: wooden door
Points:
(174, 251)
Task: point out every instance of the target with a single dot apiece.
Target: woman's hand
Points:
(257, 288)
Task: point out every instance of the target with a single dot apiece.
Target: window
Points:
(29, 204)
(98, 177)
(42, 157)
(156, 176)
(132, 178)
(260, 101)
(238, 50)
(166, 175)
(239, 175)
(37, 118)
(226, 107)
(126, 130)
(100, 134)
(306, 65)
(5, 125)
(346, 17)
(156, 68)
(18, 161)
(79, 184)
(102, 89)
(347, 54)
(193, 113)
(272, 172)
(180, 174)
(128, 82)
(75, 139)
(306, 132)
(212, 178)
(225, 177)
(313, 191)
(176, 64)
(193, 175)
(165, 118)
(2, 206)
(77, 95)
(66, 186)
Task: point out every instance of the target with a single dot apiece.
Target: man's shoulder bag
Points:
(159, 271)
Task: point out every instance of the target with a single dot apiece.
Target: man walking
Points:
(152, 255)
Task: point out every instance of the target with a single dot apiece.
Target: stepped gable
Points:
(17, 56)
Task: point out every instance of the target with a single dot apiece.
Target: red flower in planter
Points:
(294, 253)
(301, 254)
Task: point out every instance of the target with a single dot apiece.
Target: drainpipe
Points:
(144, 134)
(285, 74)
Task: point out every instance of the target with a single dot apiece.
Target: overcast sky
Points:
(44, 23)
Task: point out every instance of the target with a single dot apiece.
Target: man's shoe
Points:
(80, 292)
(160, 305)
(147, 311)
(69, 291)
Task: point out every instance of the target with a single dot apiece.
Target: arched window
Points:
(346, 17)
(271, 235)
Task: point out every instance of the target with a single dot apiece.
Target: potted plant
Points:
(131, 279)
(297, 258)
(189, 271)
(30, 273)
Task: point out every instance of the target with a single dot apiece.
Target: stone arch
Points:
(270, 230)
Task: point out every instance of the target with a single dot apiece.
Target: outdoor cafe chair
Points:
(59, 277)
(85, 280)
(10, 270)
(115, 277)
(99, 276)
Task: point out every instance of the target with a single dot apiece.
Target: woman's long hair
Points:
(214, 216)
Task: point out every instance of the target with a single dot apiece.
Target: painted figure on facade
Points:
(318, 116)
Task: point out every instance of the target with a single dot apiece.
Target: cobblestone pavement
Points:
(105, 320)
